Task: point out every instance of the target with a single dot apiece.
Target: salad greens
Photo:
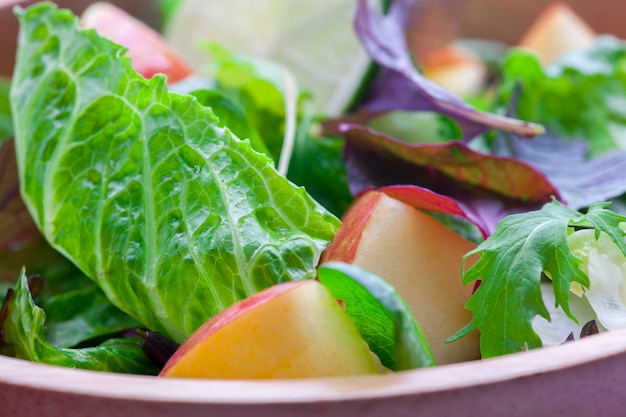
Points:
(157, 215)
(592, 82)
(401, 86)
(173, 216)
(513, 260)
(265, 90)
(25, 332)
(453, 169)
(382, 317)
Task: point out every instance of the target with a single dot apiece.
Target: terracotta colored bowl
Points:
(585, 378)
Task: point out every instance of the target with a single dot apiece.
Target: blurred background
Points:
(148, 10)
(504, 20)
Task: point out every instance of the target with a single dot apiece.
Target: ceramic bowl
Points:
(585, 378)
(580, 379)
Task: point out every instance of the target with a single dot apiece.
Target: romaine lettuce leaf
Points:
(172, 215)
(80, 315)
(232, 116)
(267, 92)
(24, 331)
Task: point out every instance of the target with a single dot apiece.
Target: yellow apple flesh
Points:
(291, 330)
(456, 69)
(421, 258)
(556, 31)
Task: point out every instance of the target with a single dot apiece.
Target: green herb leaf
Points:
(173, 216)
(512, 262)
(580, 96)
(382, 317)
(24, 331)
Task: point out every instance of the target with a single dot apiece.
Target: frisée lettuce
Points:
(524, 248)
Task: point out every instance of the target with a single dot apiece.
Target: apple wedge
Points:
(290, 330)
(147, 49)
(556, 31)
(421, 258)
(455, 68)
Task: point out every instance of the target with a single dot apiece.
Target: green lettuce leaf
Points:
(172, 215)
(580, 96)
(525, 248)
(317, 164)
(6, 124)
(24, 331)
(267, 92)
(82, 314)
(381, 315)
(231, 115)
(77, 310)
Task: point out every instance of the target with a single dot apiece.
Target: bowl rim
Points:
(454, 377)
(467, 375)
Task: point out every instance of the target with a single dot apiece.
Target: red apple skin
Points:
(421, 258)
(290, 330)
(148, 51)
(346, 242)
(224, 317)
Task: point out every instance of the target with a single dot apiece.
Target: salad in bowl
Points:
(213, 214)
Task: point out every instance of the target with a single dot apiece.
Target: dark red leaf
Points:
(486, 187)
(16, 225)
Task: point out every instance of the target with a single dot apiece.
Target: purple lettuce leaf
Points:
(581, 181)
(486, 187)
(400, 86)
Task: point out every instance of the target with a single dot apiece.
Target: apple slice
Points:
(455, 68)
(556, 31)
(290, 330)
(421, 258)
(148, 51)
